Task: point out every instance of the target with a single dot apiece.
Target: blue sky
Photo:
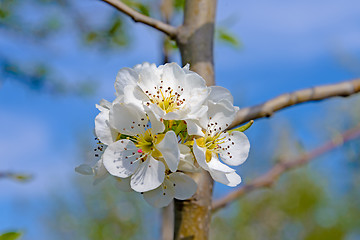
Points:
(286, 45)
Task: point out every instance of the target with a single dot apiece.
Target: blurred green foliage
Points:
(10, 236)
(100, 212)
(225, 36)
(298, 207)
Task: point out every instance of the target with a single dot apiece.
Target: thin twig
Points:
(138, 17)
(318, 93)
(273, 174)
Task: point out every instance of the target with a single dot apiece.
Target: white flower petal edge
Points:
(125, 77)
(219, 116)
(218, 94)
(185, 186)
(193, 127)
(170, 150)
(187, 160)
(237, 146)
(148, 176)
(98, 171)
(84, 169)
(161, 196)
(231, 179)
(127, 119)
(176, 185)
(103, 130)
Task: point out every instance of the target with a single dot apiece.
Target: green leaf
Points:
(179, 4)
(226, 37)
(10, 236)
(242, 128)
(144, 9)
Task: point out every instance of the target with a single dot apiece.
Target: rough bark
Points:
(195, 40)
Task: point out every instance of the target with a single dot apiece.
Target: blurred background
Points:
(59, 58)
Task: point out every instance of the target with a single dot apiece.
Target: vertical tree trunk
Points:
(195, 40)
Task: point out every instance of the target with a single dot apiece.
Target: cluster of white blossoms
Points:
(164, 123)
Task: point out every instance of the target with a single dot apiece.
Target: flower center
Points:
(168, 99)
(211, 143)
(147, 141)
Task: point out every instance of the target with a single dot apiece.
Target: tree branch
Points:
(138, 17)
(273, 174)
(318, 93)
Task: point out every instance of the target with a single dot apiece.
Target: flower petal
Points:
(121, 158)
(125, 77)
(215, 164)
(237, 148)
(194, 80)
(170, 150)
(193, 128)
(103, 105)
(158, 112)
(218, 94)
(187, 160)
(156, 125)
(230, 179)
(84, 169)
(103, 130)
(161, 196)
(173, 76)
(220, 115)
(134, 95)
(99, 169)
(148, 176)
(185, 186)
(199, 154)
(196, 101)
(148, 80)
(127, 119)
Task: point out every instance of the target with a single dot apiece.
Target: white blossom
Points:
(233, 148)
(145, 153)
(170, 92)
(176, 185)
